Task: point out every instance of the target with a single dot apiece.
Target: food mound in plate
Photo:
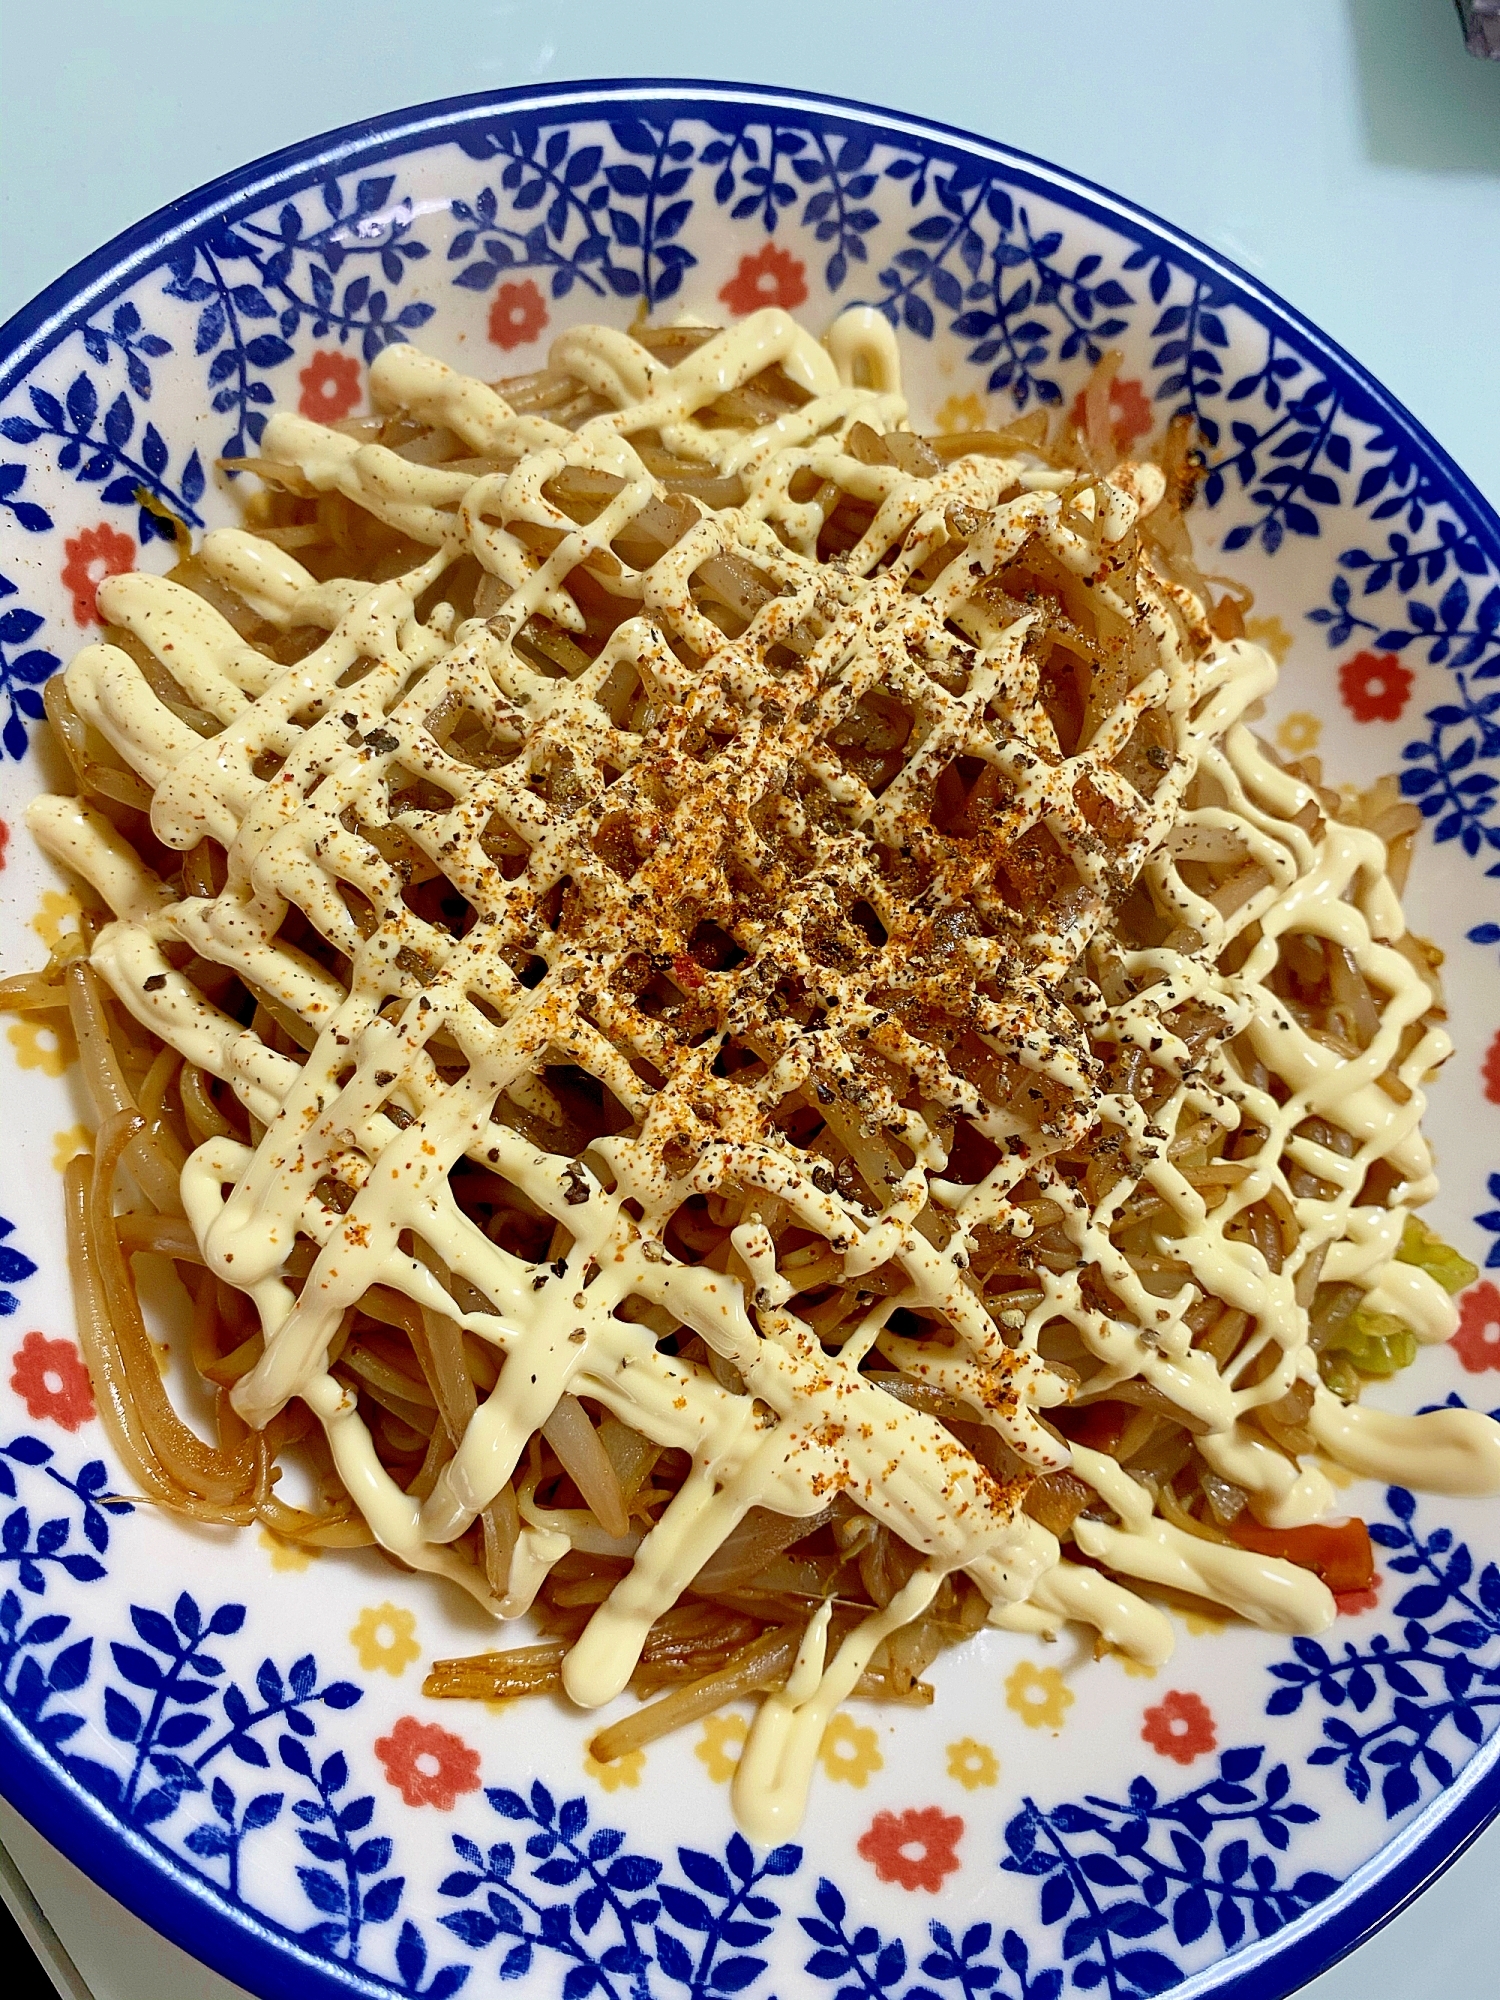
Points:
(738, 1044)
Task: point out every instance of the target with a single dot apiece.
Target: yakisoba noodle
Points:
(735, 1039)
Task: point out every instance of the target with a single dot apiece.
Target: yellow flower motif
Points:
(973, 1764)
(849, 1752)
(1272, 634)
(284, 1554)
(1299, 732)
(47, 1045)
(68, 1145)
(961, 413)
(721, 1734)
(1039, 1695)
(384, 1638)
(619, 1771)
(59, 912)
(1137, 1669)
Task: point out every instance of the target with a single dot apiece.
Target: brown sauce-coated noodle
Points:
(788, 1074)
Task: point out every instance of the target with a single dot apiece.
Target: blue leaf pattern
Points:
(211, 1759)
(1131, 1892)
(1409, 1707)
(15, 1266)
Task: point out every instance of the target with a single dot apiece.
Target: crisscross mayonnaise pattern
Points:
(893, 970)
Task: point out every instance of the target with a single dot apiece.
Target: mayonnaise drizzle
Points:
(366, 712)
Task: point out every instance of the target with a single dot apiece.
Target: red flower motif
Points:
(427, 1765)
(1180, 1727)
(1375, 687)
(1477, 1342)
(913, 1848)
(1492, 1071)
(772, 277)
(4, 841)
(1351, 1602)
(1129, 410)
(330, 385)
(518, 315)
(51, 1380)
(92, 556)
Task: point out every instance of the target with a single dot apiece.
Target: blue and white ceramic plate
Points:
(229, 1735)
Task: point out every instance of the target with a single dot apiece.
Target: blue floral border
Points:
(1300, 432)
(1126, 1888)
(1288, 436)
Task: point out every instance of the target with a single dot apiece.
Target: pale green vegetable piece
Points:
(1423, 1247)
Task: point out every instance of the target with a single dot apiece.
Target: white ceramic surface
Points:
(107, 393)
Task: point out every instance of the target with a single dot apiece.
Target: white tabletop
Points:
(1346, 151)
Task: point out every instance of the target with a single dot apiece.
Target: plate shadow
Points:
(1424, 101)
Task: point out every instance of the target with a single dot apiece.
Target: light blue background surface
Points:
(1346, 151)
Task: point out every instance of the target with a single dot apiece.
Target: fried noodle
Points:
(738, 1044)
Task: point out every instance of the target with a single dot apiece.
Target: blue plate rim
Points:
(135, 250)
(180, 1904)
